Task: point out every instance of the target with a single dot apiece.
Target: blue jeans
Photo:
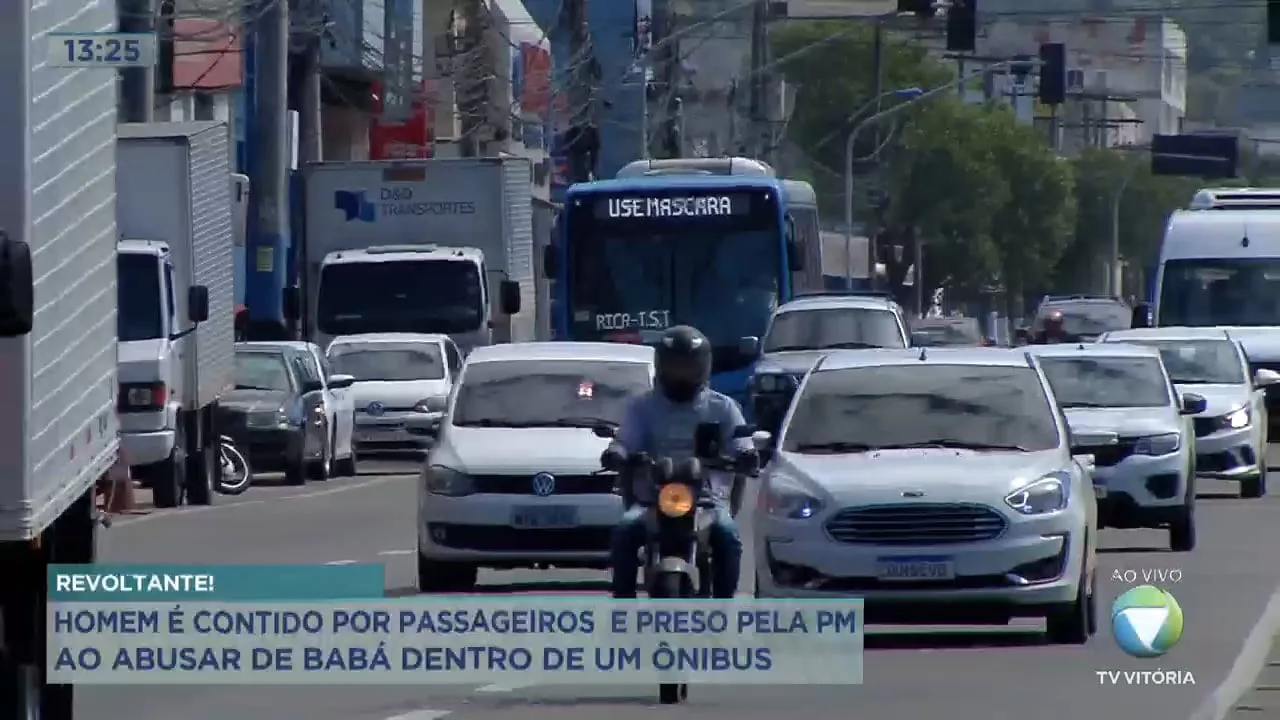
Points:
(630, 534)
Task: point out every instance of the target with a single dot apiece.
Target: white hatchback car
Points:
(1231, 432)
(938, 485)
(1147, 478)
(514, 479)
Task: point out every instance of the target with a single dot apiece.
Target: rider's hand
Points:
(612, 458)
(747, 461)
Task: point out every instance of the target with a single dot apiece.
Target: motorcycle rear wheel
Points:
(240, 476)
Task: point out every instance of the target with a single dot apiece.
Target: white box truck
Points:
(57, 328)
(432, 246)
(177, 297)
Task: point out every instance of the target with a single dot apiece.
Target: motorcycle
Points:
(677, 545)
(236, 476)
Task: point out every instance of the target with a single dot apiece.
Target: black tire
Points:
(669, 693)
(1068, 624)
(295, 473)
(347, 466)
(1182, 531)
(446, 577)
(170, 476)
(200, 485)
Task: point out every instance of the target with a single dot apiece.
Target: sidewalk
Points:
(1262, 700)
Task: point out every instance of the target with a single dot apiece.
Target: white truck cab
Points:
(413, 289)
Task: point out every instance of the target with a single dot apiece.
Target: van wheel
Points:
(207, 469)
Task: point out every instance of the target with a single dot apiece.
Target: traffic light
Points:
(1053, 74)
(1273, 22)
(923, 8)
(962, 25)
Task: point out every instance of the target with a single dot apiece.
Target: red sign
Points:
(406, 140)
(535, 93)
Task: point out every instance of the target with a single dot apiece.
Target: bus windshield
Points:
(629, 280)
(1217, 291)
(425, 296)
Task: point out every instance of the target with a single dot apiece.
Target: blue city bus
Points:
(717, 250)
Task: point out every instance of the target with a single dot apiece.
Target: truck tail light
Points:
(142, 397)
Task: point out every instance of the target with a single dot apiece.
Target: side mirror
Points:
(1082, 441)
(338, 382)
(1193, 404)
(749, 346)
(436, 404)
(1141, 317)
(1265, 377)
(291, 302)
(197, 303)
(761, 439)
(509, 297)
(608, 432)
(17, 287)
(310, 386)
(795, 256)
(549, 264)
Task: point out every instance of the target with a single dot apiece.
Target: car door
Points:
(344, 409)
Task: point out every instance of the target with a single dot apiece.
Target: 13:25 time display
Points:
(103, 49)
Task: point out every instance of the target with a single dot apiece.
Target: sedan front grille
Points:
(916, 524)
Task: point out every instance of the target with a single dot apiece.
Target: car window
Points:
(261, 371)
(855, 409)
(1107, 381)
(1087, 319)
(1191, 362)
(388, 361)
(305, 367)
(834, 328)
(533, 393)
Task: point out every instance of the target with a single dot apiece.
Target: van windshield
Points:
(423, 296)
(1206, 292)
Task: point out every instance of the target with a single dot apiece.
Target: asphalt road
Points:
(1225, 589)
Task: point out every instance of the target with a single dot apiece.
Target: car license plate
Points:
(915, 568)
(544, 517)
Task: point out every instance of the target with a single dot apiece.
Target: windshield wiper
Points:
(492, 423)
(788, 348)
(851, 345)
(835, 447)
(255, 387)
(580, 421)
(949, 443)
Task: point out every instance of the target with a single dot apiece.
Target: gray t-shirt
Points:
(655, 425)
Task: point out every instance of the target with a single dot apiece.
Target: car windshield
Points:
(1102, 382)
(257, 370)
(1088, 318)
(922, 405)
(547, 393)
(1193, 362)
(388, 361)
(846, 327)
(140, 312)
(426, 296)
(1210, 292)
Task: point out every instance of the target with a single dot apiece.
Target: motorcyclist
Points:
(1053, 330)
(663, 423)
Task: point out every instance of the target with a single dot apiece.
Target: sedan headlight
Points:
(1048, 494)
(1238, 419)
(421, 406)
(441, 480)
(1162, 444)
(783, 499)
(278, 418)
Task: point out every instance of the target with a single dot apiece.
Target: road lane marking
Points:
(397, 552)
(342, 562)
(186, 512)
(498, 688)
(1248, 664)
(421, 715)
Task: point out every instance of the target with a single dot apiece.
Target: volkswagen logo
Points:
(376, 408)
(544, 484)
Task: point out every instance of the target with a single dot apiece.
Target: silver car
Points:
(1231, 432)
(939, 486)
(402, 383)
(1147, 479)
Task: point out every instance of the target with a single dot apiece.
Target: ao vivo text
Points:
(1158, 676)
(1146, 576)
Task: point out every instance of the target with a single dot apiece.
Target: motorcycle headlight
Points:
(675, 500)
(785, 500)
(440, 480)
(1048, 494)
(1162, 444)
(1238, 419)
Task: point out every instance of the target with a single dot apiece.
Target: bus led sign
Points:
(673, 207)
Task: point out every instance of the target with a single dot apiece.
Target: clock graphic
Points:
(108, 50)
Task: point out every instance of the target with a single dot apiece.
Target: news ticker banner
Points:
(332, 625)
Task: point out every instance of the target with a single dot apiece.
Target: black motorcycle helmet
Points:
(682, 363)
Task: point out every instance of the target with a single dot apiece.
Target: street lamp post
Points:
(1114, 271)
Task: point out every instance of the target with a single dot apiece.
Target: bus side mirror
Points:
(549, 269)
(17, 288)
(291, 303)
(509, 297)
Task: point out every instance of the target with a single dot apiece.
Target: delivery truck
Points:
(174, 215)
(57, 329)
(425, 246)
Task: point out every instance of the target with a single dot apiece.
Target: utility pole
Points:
(471, 84)
(304, 82)
(759, 83)
(137, 84)
(265, 261)
(581, 138)
(670, 140)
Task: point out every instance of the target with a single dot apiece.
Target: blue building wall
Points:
(612, 26)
